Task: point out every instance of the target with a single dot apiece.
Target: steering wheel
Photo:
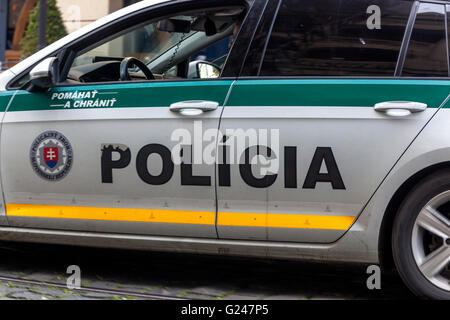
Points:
(129, 62)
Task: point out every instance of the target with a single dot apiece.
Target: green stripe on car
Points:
(337, 92)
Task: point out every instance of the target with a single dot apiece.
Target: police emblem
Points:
(51, 155)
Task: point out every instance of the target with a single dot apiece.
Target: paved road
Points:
(180, 275)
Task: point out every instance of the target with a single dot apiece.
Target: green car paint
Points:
(127, 95)
(263, 92)
(337, 92)
(5, 97)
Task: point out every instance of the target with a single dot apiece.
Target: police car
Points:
(123, 134)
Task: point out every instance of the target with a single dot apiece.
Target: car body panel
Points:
(428, 149)
(96, 120)
(311, 114)
(5, 77)
(81, 210)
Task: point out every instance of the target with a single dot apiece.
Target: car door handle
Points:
(193, 107)
(400, 108)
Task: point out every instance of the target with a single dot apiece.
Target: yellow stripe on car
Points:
(237, 219)
(276, 220)
(111, 214)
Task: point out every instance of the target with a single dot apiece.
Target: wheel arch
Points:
(384, 242)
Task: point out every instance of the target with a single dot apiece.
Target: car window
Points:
(427, 48)
(185, 46)
(336, 38)
(145, 43)
(216, 53)
(256, 50)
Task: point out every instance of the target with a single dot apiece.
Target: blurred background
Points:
(29, 25)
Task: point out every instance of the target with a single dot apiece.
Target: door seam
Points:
(216, 185)
(394, 165)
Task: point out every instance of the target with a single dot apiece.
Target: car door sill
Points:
(263, 249)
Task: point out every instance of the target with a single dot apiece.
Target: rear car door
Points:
(94, 153)
(312, 86)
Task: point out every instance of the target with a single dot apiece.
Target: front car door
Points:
(314, 82)
(95, 153)
(5, 98)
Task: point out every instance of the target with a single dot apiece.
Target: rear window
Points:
(336, 38)
(427, 49)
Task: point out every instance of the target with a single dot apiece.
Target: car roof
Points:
(21, 66)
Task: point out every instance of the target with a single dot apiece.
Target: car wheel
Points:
(421, 237)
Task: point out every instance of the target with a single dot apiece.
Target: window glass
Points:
(427, 49)
(253, 59)
(336, 38)
(145, 43)
(215, 53)
(184, 46)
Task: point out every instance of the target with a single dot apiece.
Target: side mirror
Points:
(203, 70)
(207, 70)
(42, 76)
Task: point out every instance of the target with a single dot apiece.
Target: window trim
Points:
(274, 18)
(339, 77)
(406, 39)
(255, 32)
(249, 27)
(445, 6)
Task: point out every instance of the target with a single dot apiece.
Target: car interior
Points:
(193, 45)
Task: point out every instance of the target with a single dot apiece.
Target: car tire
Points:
(414, 246)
